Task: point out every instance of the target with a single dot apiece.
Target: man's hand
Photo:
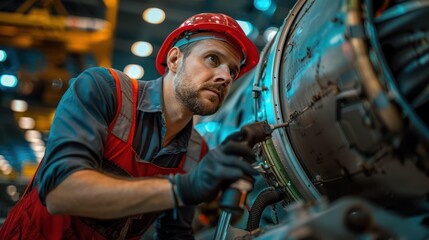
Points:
(220, 167)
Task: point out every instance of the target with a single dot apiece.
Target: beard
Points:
(188, 94)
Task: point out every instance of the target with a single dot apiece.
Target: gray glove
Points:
(219, 168)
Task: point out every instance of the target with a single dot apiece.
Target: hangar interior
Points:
(342, 86)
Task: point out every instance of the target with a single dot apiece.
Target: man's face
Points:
(204, 78)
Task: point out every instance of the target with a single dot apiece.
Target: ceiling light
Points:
(11, 189)
(269, 33)
(246, 26)
(26, 122)
(154, 15)
(39, 156)
(8, 80)
(134, 71)
(6, 169)
(18, 105)
(3, 162)
(142, 49)
(33, 136)
(3, 55)
(262, 5)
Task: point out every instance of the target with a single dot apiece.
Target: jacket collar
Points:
(150, 93)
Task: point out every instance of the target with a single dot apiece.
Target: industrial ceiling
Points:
(51, 41)
(48, 42)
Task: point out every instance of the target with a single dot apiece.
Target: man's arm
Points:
(93, 194)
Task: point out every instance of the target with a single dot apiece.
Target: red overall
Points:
(29, 219)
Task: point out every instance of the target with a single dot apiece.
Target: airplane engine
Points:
(352, 79)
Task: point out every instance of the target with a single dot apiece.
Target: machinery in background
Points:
(54, 27)
(42, 45)
(54, 41)
(352, 79)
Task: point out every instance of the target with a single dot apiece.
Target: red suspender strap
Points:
(126, 88)
(119, 95)
(204, 148)
(133, 126)
(121, 129)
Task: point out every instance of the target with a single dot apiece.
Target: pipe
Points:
(266, 197)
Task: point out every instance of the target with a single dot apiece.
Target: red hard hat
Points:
(211, 22)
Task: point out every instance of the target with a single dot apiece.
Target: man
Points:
(113, 141)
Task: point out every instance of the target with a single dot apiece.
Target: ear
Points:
(173, 58)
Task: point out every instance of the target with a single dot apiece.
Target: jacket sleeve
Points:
(166, 227)
(79, 128)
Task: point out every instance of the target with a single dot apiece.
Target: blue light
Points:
(212, 127)
(336, 39)
(262, 5)
(246, 26)
(3, 55)
(8, 80)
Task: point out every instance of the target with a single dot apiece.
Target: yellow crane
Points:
(43, 23)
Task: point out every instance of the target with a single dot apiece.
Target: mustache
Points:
(217, 88)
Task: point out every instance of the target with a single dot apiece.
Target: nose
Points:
(224, 75)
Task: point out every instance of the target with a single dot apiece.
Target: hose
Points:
(266, 197)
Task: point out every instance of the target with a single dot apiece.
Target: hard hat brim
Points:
(247, 46)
